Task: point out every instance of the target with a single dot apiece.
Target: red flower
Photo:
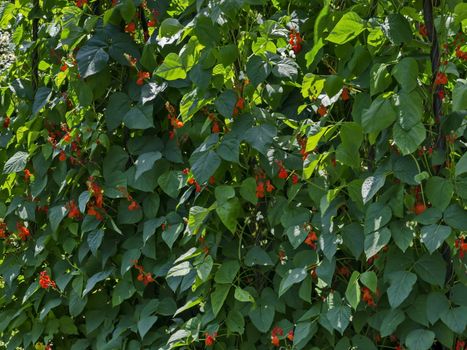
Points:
(64, 67)
(45, 281)
(295, 179)
(23, 231)
(419, 208)
(186, 171)
(27, 175)
(441, 94)
(282, 173)
(345, 94)
(210, 339)
(344, 271)
(93, 212)
(460, 345)
(322, 110)
(260, 190)
(422, 30)
(459, 244)
(290, 335)
(295, 40)
(73, 212)
(311, 239)
(275, 340)
(277, 330)
(6, 122)
(152, 23)
(133, 206)
(269, 186)
(441, 79)
(62, 156)
(212, 180)
(80, 3)
(3, 233)
(367, 297)
(130, 27)
(141, 76)
(215, 128)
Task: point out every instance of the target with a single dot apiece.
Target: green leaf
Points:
(419, 339)
(312, 86)
(292, 277)
(390, 322)
(229, 149)
(354, 239)
(228, 212)
(227, 272)
(438, 304)
(408, 141)
(339, 317)
(235, 322)
(371, 186)
(370, 280)
(296, 235)
(377, 215)
(380, 79)
(169, 27)
(248, 190)
(172, 68)
(410, 109)
(94, 240)
(257, 70)
(243, 295)
(67, 326)
(431, 269)
(203, 270)
(262, 315)
(402, 283)
(456, 217)
(196, 218)
(257, 256)
(145, 324)
(459, 97)
(56, 215)
(260, 137)
(92, 58)
(16, 163)
(455, 318)
(433, 236)
(145, 162)
(406, 73)
(397, 29)
(139, 117)
(122, 291)
(171, 234)
(348, 28)
(224, 193)
(218, 297)
(461, 166)
(303, 332)
(352, 293)
(205, 165)
(439, 192)
(376, 241)
(41, 98)
(100, 276)
(379, 116)
(225, 103)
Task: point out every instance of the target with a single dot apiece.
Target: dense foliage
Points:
(237, 174)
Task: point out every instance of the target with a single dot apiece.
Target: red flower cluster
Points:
(145, 277)
(462, 246)
(311, 239)
(23, 231)
(295, 40)
(80, 3)
(3, 230)
(45, 281)
(441, 78)
(345, 96)
(302, 142)
(73, 210)
(367, 297)
(422, 30)
(295, 179)
(239, 106)
(191, 181)
(130, 27)
(322, 110)
(172, 116)
(27, 175)
(95, 205)
(6, 122)
(460, 345)
(274, 338)
(261, 182)
(210, 339)
(282, 174)
(142, 76)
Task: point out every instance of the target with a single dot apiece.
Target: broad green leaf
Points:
(224, 193)
(312, 86)
(262, 315)
(260, 137)
(145, 162)
(172, 68)
(438, 304)
(92, 57)
(313, 140)
(257, 70)
(225, 103)
(218, 297)
(433, 236)
(393, 318)
(56, 215)
(145, 324)
(456, 217)
(397, 29)
(380, 79)
(339, 317)
(139, 117)
(257, 256)
(408, 141)
(94, 279)
(235, 322)
(431, 269)
(352, 293)
(461, 166)
(348, 28)
(409, 108)
(402, 234)
(370, 280)
(228, 212)
(248, 190)
(196, 218)
(227, 272)
(376, 217)
(16, 163)
(439, 191)
(376, 241)
(296, 235)
(291, 277)
(379, 116)
(455, 318)
(41, 98)
(122, 291)
(205, 165)
(243, 295)
(94, 240)
(406, 73)
(401, 284)
(420, 339)
(171, 233)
